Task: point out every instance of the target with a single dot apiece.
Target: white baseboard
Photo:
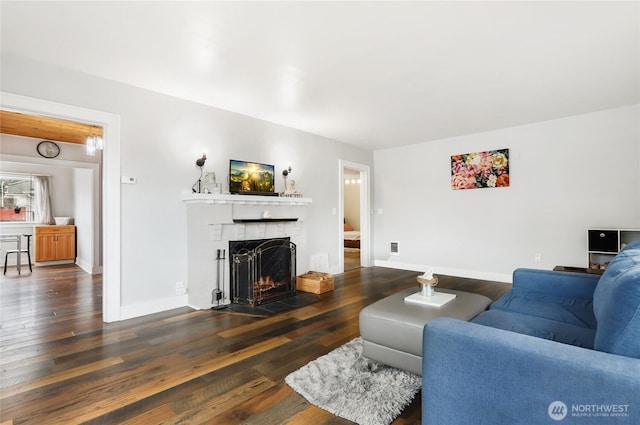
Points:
(85, 265)
(449, 271)
(152, 306)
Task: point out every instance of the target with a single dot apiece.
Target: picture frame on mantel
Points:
(477, 170)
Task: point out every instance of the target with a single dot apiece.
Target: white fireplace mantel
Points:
(228, 199)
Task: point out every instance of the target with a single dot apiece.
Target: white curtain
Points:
(42, 200)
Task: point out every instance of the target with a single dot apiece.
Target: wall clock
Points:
(48, 149)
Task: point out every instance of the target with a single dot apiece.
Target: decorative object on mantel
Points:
(291, 190)
(480, 170)
(291, 195)
(289, 186)
(209, 185)
(197, 186)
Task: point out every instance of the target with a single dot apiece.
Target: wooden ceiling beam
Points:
(46, 128)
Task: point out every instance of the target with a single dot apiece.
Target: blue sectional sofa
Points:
(557, 348)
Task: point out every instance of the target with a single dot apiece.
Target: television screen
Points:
(251, 177)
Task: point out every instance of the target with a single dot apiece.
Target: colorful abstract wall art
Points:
(480, 169)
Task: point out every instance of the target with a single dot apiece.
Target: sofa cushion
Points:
(574, 311)
(566, 333)
(616, 305)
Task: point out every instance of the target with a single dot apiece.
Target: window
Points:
(16, 203)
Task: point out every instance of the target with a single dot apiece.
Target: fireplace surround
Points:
(215, 220)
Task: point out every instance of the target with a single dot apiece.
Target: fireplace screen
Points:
(262, 270)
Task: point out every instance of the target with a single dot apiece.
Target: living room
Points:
(571, 124)
(483, 234)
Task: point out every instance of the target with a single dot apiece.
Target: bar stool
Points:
(19, 252)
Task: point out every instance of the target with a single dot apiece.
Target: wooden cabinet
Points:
(53, 243)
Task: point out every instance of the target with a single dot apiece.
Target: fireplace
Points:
(262, 270)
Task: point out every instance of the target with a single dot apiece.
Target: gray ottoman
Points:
(391, 329)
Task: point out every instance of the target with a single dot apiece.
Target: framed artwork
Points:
(480, 169)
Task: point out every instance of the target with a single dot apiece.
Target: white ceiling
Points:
(372, 74)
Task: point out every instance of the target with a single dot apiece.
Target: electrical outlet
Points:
(395, 248)
(537, 258)
(181, 289)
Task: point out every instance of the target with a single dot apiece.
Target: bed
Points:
(351, 237)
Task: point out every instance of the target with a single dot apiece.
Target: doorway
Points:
(351, 199)
(354, 216)
(110, 185)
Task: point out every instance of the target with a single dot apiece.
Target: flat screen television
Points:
(251, 178)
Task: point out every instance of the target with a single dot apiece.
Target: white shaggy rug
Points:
(355, 388)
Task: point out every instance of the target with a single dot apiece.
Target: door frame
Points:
(111, 290)
(365, 217)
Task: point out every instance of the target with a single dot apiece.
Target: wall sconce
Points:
(200, 161)
(197, 186)
(285, 173)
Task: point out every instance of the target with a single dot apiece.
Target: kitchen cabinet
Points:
(54, 243)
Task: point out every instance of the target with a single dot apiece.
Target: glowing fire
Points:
(265, 284)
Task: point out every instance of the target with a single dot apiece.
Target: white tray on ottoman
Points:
(438, 299)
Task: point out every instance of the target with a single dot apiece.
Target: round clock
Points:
(48, 149)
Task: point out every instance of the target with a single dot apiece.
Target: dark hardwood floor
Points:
(60, 364)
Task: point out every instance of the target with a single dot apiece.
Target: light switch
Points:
(127, 180)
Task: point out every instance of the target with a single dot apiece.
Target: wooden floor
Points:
(60, 364)
(351, 259)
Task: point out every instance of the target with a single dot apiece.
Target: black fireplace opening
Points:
(262, 270)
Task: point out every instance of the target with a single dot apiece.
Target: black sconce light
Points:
(197, 187)
(285, 173)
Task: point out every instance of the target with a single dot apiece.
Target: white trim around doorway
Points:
(110, 185)
(365, 206)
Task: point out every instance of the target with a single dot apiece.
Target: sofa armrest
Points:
(474, 374)
(562, 284)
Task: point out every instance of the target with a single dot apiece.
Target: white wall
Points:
(161, 137)
(84, 210)
(567, 175)
(352, 204)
